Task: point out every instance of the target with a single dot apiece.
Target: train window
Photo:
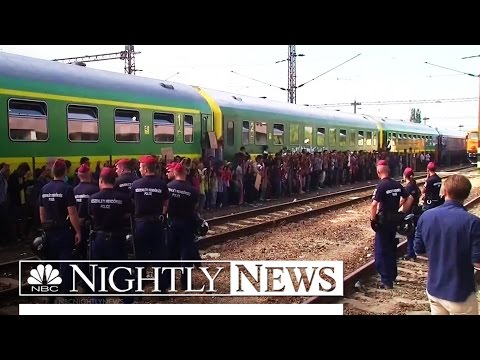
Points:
(352, 137)
(294, 137)
(188, 129)
(245, 130)
(82, 123)
(361, 137)
(321, 137)
(374, 138)
(394, 136)
(308, 136)
(261, 133)
(404, 136)
(163, 128)
(369, 138)
(343, 138)
(127, 125)
(278, 132)
(230, 133)
(332, 137)
(27, 120)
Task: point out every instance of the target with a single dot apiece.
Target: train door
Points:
(209, 140)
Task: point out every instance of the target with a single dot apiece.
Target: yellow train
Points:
(472, 145)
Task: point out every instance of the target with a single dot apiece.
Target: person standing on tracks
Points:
(431, 190)
(413, 189)
(384, 220)
(108, 240)
(450, 237)
(126, 175)
(57, 205)
(150, 197)
(181, 213)
(82, 192)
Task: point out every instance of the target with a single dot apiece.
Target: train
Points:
(472, 145)
(50, 109)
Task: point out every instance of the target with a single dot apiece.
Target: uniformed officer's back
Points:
(431, 190)
(57, 213)
(385, 217)
(126, 175)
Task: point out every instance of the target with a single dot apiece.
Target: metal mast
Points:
(128, 56)
(292, 74)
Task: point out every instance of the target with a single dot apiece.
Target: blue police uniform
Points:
(108, 241)
(432, 189)
(182, 204)
(56, 197)
(450, 236)
(387, 193)
(82, 192)
(413, 190)
(124, 182)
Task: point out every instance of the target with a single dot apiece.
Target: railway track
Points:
(408, 297)
(244, 223)
(252, 221)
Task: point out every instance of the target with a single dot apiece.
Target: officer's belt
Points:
(55, 225)
(390, 218)
(109, 234)
(84, 221)
(148, 218)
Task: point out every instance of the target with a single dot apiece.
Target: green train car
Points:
(50, 109)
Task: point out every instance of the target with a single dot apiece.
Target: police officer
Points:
(431, 190)
(57, 205)
(181, 213)
(413, 189)
(108, 240)
(82, 192)
(126, 175)
(150, 197)
(384, 219)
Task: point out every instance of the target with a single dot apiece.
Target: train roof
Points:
(400, 125)
(32, 74)
(453, 133)
(278, 108)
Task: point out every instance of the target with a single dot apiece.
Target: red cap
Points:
(59, 164)
(382, 163)
(83, 169)
(171, 166)
(431, 166)
(108, 171)
(408, 172)
(148, 159)
(122, 161)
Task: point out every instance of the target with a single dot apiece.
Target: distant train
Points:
(472, 145)
(50, 109)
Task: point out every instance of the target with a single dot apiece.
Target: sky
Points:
(381, 73)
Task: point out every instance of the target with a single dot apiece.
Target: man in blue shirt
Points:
(450, 237)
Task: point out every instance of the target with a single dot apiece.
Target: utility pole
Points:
(128, 55)
(292, 74)
(355, 103)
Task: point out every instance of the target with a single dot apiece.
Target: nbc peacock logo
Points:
(44, 279)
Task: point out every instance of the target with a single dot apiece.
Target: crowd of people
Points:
(244, 180)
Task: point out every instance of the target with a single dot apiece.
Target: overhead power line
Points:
(395, 102)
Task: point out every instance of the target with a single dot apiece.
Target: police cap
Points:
(108, 172)
(408, 172)
(431, 166)
(122, 162)
(382, 163)
(148, 160)
(59, 164)
(83, 169)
